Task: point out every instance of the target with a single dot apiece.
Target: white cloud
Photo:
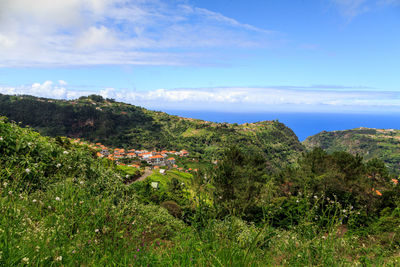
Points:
(353, 8)
(90, 32)
(290, 98)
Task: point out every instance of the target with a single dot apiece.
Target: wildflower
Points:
(49, 207)
(5, 184)
(1, 138)
(65, 152)
(34, 201)
(97, 230)
(127, 176)
(81, 182)
(138, 250)
(29, 144)
(81, 202)
(58, 199)
(25, 260)
(315, 197)
(10, 193)
(37, 248)
(58, 165)
(297, 201)
(344, 211)
(59, 258)
(73, 252)
(27, 170)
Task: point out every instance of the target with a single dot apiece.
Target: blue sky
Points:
(226, 55)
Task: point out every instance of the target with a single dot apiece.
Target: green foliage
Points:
(123, 125)
(73, 209)
(370, 143)
(173, 208)
(237, 181)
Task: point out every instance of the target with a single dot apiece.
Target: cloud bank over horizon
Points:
(318, 98)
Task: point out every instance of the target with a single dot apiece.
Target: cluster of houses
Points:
(155, 158)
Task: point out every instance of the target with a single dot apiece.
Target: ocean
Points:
(303, 124)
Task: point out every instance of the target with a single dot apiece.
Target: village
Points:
(137, 158)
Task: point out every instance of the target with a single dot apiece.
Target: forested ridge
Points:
(367, 142)
(122, 125)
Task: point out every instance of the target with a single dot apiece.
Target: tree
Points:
(237, 180)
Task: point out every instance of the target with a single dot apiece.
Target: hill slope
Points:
(370, 143)
(120, 124)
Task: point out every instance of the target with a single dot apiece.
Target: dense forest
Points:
(61, 205)
(122, 125)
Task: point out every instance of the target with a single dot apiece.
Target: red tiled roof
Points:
(157, 157)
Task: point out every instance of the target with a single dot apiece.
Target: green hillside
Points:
(369, 143)
(123, 125)
(60, 205)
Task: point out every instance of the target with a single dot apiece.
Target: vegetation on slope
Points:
(369, 143)
(123, 125)
(60, 205)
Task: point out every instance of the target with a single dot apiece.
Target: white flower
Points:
(34, 201)
(344, 211)
(29, 144)
(59, 258)
(97, 230)
(25, 260)
(10, 193)
(315, 197)
(5, 184)
(58, 165)
(58, 199)
(297, 201)
(27, 170)
(127, 176)
(49, 207)
(1, 138)
(81, 182)
(65, 152)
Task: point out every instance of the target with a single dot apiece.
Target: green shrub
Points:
(173, 208)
